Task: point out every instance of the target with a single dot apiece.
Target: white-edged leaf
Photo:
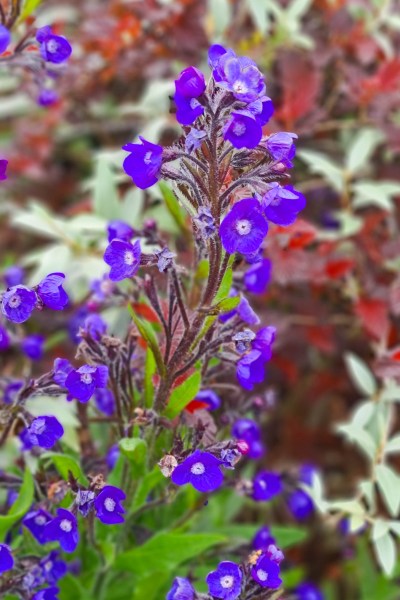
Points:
(219, 14)
(359, 436)
(379, 529)
(391, 393)
(105, 193)
(393, 445)
(385, 549)
(362, 148)
(375, 193)
(360, 374)
(350, 224)
(395, 527)
(363, 413)
(367, 488)
(259, 12)
(389, 486)
(323, 165)
(297, 9)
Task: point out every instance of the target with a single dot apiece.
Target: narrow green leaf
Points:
(20, 506)
(64, 463)
(173, 206)
(29, 7)
(149, 370)
(227, 305)
(182, 395)
(146, 485)
(147, 332)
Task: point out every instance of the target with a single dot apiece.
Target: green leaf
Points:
(285, 536)
(149, 587)
(182, 395)
(147, 332)
(146, 485)
(20, 506)
(149, 370)
(226, 283)
(64, 463)
(389, 483)
(134, 449)
(105, 193)
(321, 164)
(173, 206)
(29, 7)
(361, 148)
(360, 374)
(226, 305)
(165, 551)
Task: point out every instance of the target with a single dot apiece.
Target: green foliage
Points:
(147, 332)
(182, 395)
(65, 464)
(20, 506)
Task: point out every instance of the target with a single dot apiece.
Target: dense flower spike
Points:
(18, 303)
(123, 258)
(226, 581)
(6, 559)
(143, 163)
(108, 505)
(63, 529)
(181, 589)
(43, 432)
(3, 169)
(201, 469)
(244, 227)
(53, 48)
(51, 292)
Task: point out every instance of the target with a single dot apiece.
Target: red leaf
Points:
(373, 314)
(339, 267)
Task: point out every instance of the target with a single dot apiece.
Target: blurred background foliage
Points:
(333, 72)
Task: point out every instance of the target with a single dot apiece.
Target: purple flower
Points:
(143, 163)
(62, 368)
(121, 230)
(105, 401)
(32, 346)
(47, 97)
(95, 326)
(84, 501)
(244, 227)
(194, 139)
(36, 522)
(181, 589)
(190, 83)
(257, 276)
(4, 338)
(266, 485)
(52, 567)
(263, 341)
(3, 169)
(11, 391)
(243, 130)
(63, 529)
(262, 109)
(123, 258)
(201, 469)
(281, 147)
(240, 75)
(113, 456)
(81, 383)
(18, 303)
(250, 369)
(187, 109)
(281, 205)
(243, 340)
(300, 504)
(5, 38)
(51, 292)
(75, 322)
(164, 259)
(14, 275)
(102, 288)
(6, 558)
(214, 54)
(266, 573)
(308, 591)
(306, 474)
(229, 457)
(43, 431)
(210, 398)
(108, 505)
(243, 311)
(46, 594)
(274, 553)
(226, 581)
(250, 432)
(263, 539)
(205, 222)
(53, 48)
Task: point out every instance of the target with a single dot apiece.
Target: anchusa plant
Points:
(161, 426)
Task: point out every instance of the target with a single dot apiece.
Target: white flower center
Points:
(14, 301)
(66, 525)
(106, 287)
(262, 575)
(52, 46)
(262, 484)
(239, 87)
(147, 157)
(129, 259)
(48, 565)
(40, 520)
(198, 468)
(239, 129)
(86, 378)
(243, 227)
(109, 504)
(226, 581)
(194, 103)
